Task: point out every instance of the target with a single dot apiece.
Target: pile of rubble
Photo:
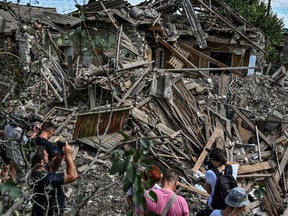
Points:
(161, 77)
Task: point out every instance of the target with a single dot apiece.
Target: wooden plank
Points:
(193, 189)
(132, 88)
(93, 125)
(280, 169)
(91, 143)
(88, 125)
(179, 55)
(116, 11)
(255, 175)
(143, 102)
(217, 133)
(254, 168)
(141, 115)
(77, 127)
(75, 152)
(96, 141)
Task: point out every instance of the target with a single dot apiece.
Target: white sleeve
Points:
(234, 170)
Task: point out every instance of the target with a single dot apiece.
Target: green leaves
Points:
(117, 167)
(257, 13)
(131, 173)
(153, 196)
(259, 191)
(128, 164)
(125, 135)
(13, 190)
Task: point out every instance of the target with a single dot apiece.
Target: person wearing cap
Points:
(153, 174)
(218, 161)
(236, 201)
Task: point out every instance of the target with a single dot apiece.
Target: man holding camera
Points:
(48, 198)
(46, 132)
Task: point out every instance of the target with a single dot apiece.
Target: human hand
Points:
(67, 149)
(36, 128)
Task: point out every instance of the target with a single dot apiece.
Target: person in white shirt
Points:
(236, 201)
(218, 160)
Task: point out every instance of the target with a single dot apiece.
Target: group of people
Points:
(170, 204)
(48, 196)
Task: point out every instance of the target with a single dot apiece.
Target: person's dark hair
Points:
(47, 126)
(37, 156)
(170, 175)
(218, 155)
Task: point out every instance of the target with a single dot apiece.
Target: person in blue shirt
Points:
(48, 196)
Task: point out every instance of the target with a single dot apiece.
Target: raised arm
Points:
(71, 173)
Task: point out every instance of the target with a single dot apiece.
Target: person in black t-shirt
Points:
(48, 196)
(46, 132)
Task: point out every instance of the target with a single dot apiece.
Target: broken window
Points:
(224, 57)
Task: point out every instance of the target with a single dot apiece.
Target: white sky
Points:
(281, 8)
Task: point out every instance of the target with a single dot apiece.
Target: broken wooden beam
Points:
(281, 167)
(179, 55)
(193, 189)
(255, 175)
(212, 60)
(254, 168)
(217, 133)
(205, 69)
(247, 121)
(131, 89)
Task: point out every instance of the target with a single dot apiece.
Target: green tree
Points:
(256, 12)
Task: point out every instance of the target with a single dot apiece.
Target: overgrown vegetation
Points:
(256, 12)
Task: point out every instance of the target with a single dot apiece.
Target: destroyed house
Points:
(27, 29)
(172, 34)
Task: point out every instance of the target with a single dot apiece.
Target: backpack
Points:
(224, 183)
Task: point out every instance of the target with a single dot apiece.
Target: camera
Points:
(60, 144)
(59, 147)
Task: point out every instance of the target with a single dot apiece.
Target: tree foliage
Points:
(256, 12)
(128, 164)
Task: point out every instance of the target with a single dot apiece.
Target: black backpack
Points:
(224, 183)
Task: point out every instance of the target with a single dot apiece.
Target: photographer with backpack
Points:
(220, 179)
